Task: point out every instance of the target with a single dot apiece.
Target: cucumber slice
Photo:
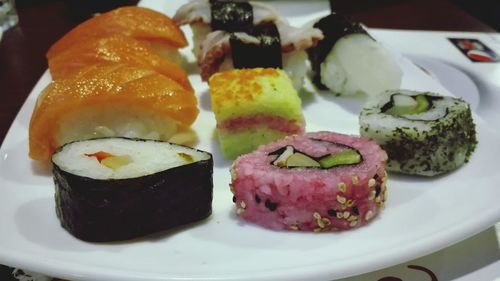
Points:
(346, 157)
(301, 160)
(402, 106)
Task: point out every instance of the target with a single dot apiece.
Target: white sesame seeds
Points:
(372, 182)
(346, 214)
(355, 180)
(341, 199)
(353, 223)
(372, 195)
(316, 215)
(369, 215)
(240, 211)
(342, 187)
(243, 205)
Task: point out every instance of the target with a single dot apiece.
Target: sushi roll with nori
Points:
(320, 181)
(231, 34)
(116, 188)
(349, 61)
(423, 133)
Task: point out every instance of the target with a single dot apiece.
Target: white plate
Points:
(422, 215)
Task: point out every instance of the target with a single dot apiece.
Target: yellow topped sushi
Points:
(253, 107)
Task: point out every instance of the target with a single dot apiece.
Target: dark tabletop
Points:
(42, 22)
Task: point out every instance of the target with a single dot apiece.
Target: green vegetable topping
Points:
(406, 105)
(346, 157)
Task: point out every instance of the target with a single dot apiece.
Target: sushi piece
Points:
(240, 34)
(140, 23)
(423, 133)
(224, 51)
(106, 100)
(320, 181)
(253, 107)
(205, 16)
(116, 188)
(115, 48)
(349, 61)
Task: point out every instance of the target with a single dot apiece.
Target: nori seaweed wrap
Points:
(116, 188)
(265, 54)
(231, 16)
(334, 27)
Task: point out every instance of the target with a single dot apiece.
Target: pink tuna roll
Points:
(319, 181)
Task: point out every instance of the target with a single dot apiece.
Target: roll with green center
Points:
(423, 133)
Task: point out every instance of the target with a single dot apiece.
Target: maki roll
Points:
(423, 133)
(240, 34)
(116, 188)
(319, 181)
(349, 61)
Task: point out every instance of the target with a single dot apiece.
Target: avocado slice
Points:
(346, 157)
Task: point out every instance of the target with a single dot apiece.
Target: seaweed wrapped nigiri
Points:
(116, 188)
(349, 61)
(205, 16)
(111, 99)
(240, 34)
(141, 23)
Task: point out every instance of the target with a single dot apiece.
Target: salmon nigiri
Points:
(137, 22)
(116, 48)
(111, 99)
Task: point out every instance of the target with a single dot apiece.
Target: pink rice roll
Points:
(320, 190)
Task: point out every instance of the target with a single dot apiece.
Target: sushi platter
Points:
(421, 214)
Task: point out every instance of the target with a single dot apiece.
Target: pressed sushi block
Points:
(116, 188)
(319, 181)
(106, 100)
(253, 107)
(115, 48)
(140, 23)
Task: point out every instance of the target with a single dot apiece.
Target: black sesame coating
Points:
(447, 145)
(265, 54)
(231, 16)
(334, 27)
(257, 199)
(119, 209)
(270, 205)
(332, 212)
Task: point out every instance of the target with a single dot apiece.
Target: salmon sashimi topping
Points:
(116, 48)
(115, 92)
(137, 22)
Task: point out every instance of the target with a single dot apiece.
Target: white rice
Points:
(148, 157)
(357, 64)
